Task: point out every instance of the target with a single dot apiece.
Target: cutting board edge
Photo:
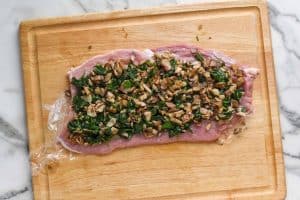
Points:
(156, 10)
(273, 97)
(27, 36)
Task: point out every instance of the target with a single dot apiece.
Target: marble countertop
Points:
(15, 181)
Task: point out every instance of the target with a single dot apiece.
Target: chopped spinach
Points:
(131, 105)
(79, 103)
(218, 75)
(79, 83)
(162, 105)
(197, 114)
(167, 125)
(226, 102)
(100, 70)
(237, 95)
(74, 126)
(199, 57)
(173, 63)
(113, 85)
(127, 84)
(172, 128)
(131, 73)
(226, 114)
(175, 131)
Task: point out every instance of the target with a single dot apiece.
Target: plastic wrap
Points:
(51, 152)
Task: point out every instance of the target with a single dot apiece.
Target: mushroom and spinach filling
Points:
(164, 95)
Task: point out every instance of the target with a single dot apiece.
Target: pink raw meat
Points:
(198, 133)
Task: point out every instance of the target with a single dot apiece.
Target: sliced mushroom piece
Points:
(100, 107)
(195, 78)
(166, 64)
(235, 103)
(86, 90)
(222, 96)
(178, 70)
(205, 113)
(187, 117)
(196, 100)
(90, 82)
(91, 111)
(220, 85)
(148, 115)
(110, 97)
(97, 90)
(143, 97)
(188, 107)
(150, 132)
(125, 134)
(231, 89)
(114, 130)
(178, 114)
(218, 104)
(195, 107)
(112, 109)
(139, 103)
(215, 92)
(240, 81)
(107, 77)
(117, 69)
(153, 99)
(196, 88)
(147, 88)
(164, 84)
(207, 75)
(124, 102)
(177, 121)
(189, 91)
(201, 70)
(161, 97)
(154, 87)
(156, 123)
(87, 98)
(111, 122)
(170, 105)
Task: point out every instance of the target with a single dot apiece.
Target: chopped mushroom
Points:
(166, 64)
(111, 122)
(91, 111)
(114, 130)
(147, 115)
(110, 97)
(100, 107)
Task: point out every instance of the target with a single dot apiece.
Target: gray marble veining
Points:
(14, 169)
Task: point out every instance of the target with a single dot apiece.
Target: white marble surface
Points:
(14, 168)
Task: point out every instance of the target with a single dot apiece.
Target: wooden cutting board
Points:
(251, 167)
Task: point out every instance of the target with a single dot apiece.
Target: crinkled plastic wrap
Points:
(51, 152)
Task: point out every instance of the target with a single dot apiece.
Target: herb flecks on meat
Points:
(164, 95)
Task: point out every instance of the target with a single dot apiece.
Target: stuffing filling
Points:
(164, 95)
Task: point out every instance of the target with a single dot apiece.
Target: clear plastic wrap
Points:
(51, 152)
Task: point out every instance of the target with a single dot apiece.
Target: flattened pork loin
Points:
(178, 93)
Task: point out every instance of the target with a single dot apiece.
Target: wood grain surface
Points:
(251, 167)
